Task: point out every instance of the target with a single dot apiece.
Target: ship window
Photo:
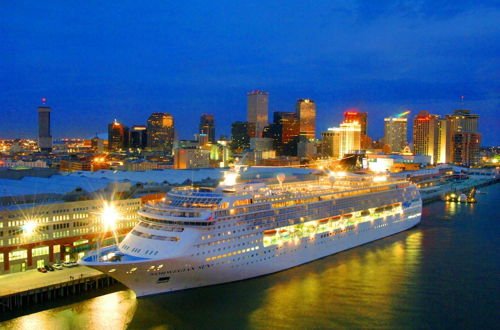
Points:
(163, 279)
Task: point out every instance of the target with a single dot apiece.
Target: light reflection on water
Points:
(328, 295)
(429, 276)
(110, 311)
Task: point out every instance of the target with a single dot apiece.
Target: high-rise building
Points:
(161, 131)
(289, 124)
(283, 130)
(117, 136)
(257, 110)
(339, 141)
(44, 136)
(426, 135)
(241, 132)
(207, 126)
(466, 148)
(445, 143)
(395, 133)
(352, 116)
(306, 113)
(330, 143)
(462, 121)
(138, 137)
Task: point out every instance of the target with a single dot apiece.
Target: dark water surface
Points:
(445, 273)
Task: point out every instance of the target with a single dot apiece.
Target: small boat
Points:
(323, 221)
(365, 213)
(335, 218)
(347, 216)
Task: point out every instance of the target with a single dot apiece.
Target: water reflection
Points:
(352, 285)
(111, 311)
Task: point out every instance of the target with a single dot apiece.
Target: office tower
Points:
(161, 132)
(462, 121)
(342, 140)
(395, 133)
(44, 137)
(116, 136)
(426, 135)
(97, 145)
(306, 112)
(207, 126)
(284, 130)
(289, 125)
(352, 116)
(330, 143)
(257, 110)
(445, 143)
(241, 131)
(466, 148)
(138, 137)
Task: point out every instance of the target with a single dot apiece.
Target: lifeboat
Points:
(336, 218)
(365, 213)
(347, 216)
(388, 208)
(323, 221)
(379, 209)
(270, 232)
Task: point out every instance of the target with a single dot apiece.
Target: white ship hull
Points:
(191, 272)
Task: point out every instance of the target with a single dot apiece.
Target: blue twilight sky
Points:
(97, 60)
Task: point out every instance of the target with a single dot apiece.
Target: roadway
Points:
(33, 279)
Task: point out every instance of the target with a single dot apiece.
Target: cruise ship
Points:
(200, 236)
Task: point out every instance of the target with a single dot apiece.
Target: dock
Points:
(19, 290)
(458, 187)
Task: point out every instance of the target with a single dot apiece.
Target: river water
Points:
(445, 273)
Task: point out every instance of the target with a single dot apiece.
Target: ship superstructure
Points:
(199, 236)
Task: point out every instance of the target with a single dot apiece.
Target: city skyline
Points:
(207, 59)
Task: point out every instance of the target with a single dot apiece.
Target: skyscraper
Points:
(463, 121)
(466, 148)
(283, 130)
(330, 143)
(138, 137)
(44, 137)
(464, 138)
(356, 116)
(445, 143)
(426, 135)
(257, 110)
(395, 133)
(306, 112)
(240, 136)
(338, 141)
(207, 126)
(161, 132)
(116, 136)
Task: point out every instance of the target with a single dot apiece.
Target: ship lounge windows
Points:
(155, 237)
(242, 202)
